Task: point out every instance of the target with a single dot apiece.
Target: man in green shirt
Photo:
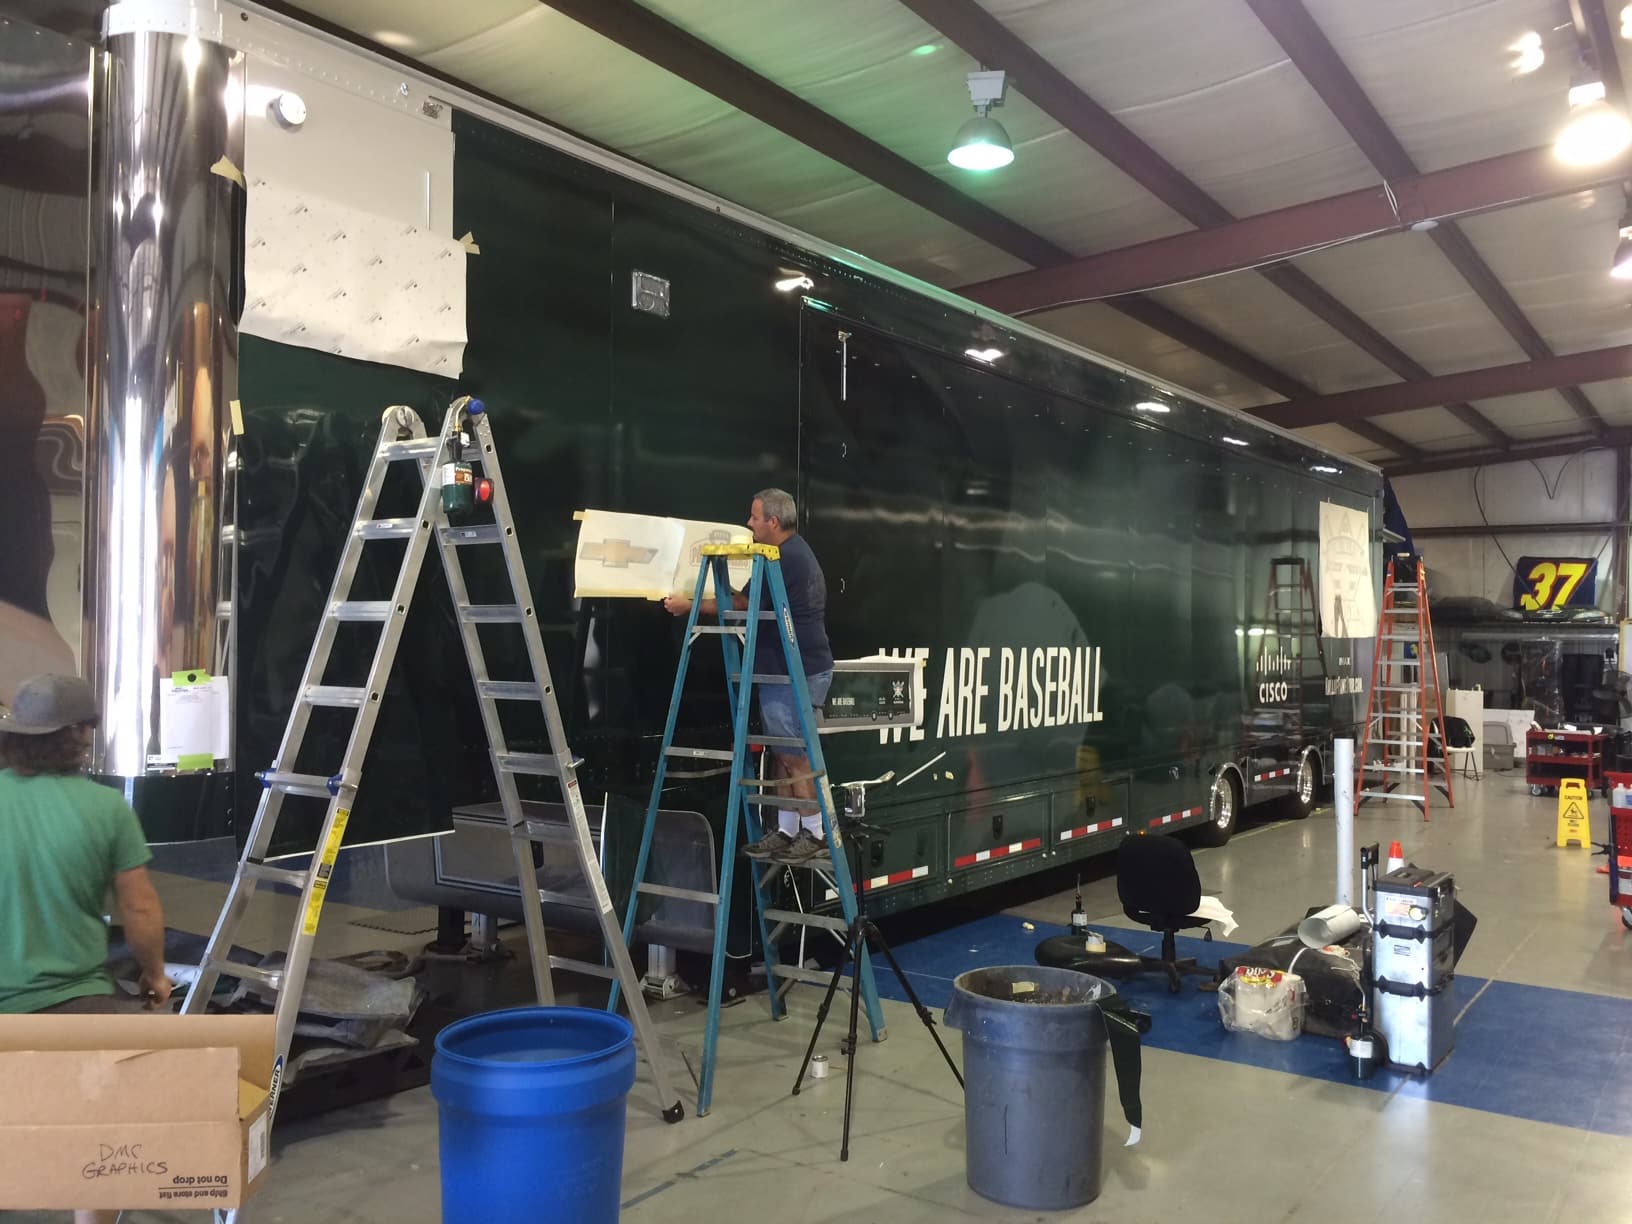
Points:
(64, 840)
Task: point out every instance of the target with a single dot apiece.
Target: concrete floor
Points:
(1223, 1141)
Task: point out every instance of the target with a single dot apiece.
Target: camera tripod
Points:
(857, 837)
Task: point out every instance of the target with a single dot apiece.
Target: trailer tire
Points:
(1223, 810)
(1306, 787)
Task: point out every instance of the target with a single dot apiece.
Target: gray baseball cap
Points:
(43, 704)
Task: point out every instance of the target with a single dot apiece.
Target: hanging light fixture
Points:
(981, 143)
(1596, 131)
(1621, 268)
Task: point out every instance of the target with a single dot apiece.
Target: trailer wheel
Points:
(1223, 810)
(1307, 790)
(1626, 918)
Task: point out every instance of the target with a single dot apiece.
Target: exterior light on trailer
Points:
(1151, 406)
(1325, 469)
(1235, 441)
(789, 283)
(988, 355)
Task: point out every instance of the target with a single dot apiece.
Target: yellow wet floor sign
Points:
(1572, 814)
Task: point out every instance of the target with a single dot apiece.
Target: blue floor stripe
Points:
(1556, 1056)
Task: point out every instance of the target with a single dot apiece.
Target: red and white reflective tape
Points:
(1085, 830)
(884, 881)
(1274, 773)
(996, 852)
(1171, 817)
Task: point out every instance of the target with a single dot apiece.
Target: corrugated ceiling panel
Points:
(1203, 84)
(1336, 438)
(1554, 258)
(1431, 429)
(1438, 71)
(913, 104)
(1409, 292)
(1252, 313)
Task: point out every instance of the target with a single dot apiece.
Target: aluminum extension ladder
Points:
(738, 632)
(403, 439)
(1405, 704)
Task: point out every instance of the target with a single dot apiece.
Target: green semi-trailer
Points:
(1103, 576)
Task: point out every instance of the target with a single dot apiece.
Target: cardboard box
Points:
(133, 1111)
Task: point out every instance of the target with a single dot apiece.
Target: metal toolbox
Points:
(1413, 963)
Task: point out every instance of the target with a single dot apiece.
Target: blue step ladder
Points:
(738, 632)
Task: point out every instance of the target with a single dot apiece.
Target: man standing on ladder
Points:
(774, 519)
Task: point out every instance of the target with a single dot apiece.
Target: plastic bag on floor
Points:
(1268, 1002)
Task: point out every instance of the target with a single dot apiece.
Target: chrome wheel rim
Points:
(1306, 779)
(1223, 803)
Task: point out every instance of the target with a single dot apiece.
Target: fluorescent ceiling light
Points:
(988, 355)
(1151, 406)
(1256, 631)
(1621, 267)
(789, 283)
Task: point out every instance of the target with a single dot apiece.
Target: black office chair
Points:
(1156, 882)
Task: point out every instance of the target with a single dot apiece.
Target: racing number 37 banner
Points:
(1545, 583)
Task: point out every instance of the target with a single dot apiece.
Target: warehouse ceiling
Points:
(1169, 127)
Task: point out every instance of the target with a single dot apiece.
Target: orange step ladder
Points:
(1404, 706)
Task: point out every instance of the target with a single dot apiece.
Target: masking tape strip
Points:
(237, 411)
(225, 168)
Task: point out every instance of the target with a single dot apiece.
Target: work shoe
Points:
(804, 846)
(773, 845)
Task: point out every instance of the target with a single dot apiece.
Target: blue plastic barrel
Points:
(531, 1110)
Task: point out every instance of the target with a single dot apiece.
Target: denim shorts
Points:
(776, 708)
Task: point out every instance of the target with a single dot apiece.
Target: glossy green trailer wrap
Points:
(1081, 578)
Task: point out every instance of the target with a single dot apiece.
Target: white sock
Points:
(814, 824)
(787, 821)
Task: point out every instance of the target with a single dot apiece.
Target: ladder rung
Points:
(412, 448)
(531, 763)
(1392, 743)
(800, 918)
(490, 614)
(1389, 795)
(486, 533)
(759, 678)
(269, 874)
(702, 754)
(313, 785)
(272, 979)
(1389, 769)
(580, 966)
(1398, 688)
(340, 696)
(742, 615)
(377, 610)
(777, 741)
(733, 630)
(788, 801)
(798, 973)
(684, 894)
(510, 690)
(386, 529)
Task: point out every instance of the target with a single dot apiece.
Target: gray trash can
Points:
(1034, 1046)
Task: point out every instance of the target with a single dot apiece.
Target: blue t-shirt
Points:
(807, 600)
